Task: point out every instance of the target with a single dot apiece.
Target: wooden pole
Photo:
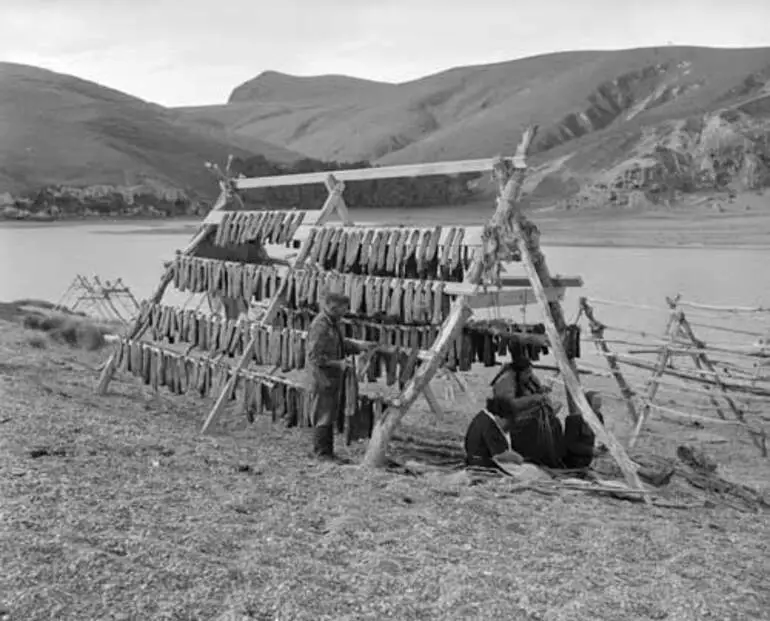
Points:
(597, 334)
(484, 261)
(224, 395)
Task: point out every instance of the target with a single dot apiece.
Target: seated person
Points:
(536, 432)
(487, 441)
(578, 436)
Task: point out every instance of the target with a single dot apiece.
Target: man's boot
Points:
(323, 441)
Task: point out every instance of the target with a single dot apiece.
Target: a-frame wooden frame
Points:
(506, 230)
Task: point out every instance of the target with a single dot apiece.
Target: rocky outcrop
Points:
(724, 151)
(621, 99)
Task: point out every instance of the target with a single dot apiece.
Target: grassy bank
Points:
(115, 508)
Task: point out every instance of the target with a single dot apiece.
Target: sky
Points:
(194, 52)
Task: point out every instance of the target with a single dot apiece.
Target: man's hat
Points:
(335, 298)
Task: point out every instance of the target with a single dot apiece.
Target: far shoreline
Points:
(677, 229)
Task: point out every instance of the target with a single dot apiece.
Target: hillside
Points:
(57, 129)
(631, 118)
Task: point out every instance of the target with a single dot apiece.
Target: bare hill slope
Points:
(601, 113)
(58, 129)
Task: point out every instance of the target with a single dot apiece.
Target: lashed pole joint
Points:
(227, 182)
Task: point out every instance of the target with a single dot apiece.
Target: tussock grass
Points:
(80, 333)
(115, 508)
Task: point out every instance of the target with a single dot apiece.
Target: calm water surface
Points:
(40, 261)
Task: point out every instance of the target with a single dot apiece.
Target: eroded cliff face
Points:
(717, 140)
(722, 151)
(621, 100)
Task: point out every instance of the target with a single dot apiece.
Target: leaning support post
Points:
(229, 387)
(433, 402)
(384, 428)
(597, 334)
(484, 262)
(142, 319)
(569, 376)
(334, 203)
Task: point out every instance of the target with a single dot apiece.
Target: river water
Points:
(39, 261)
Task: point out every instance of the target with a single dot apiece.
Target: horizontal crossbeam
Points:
(366, 174)
(471, 234)
(481, 298)
(211, 272)
(557, 281)
(500, 298)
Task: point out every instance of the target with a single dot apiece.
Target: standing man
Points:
(326, 364)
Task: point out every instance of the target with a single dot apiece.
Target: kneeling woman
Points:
(536, 432)
(488, 439)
